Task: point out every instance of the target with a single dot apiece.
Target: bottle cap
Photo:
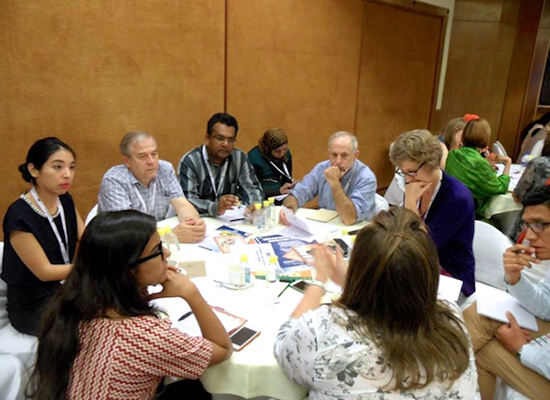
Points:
(271, 200)
(162, 231)
(244, 257)
(273, 258)
(266, 203)
(345, 232)
(257, 206)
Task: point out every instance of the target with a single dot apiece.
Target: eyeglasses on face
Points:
(221, 139)
(410, 174)
(537, 227)
(160, 252)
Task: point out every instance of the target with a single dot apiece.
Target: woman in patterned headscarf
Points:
(272, 162)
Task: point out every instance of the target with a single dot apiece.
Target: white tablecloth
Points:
(253, 371)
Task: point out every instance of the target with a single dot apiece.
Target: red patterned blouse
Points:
(126, 359)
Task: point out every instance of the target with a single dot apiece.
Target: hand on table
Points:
(515, 259)
(282, 218)
(190, 231)
(227, 202)
(511, 336)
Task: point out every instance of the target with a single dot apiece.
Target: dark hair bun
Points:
(25, 173)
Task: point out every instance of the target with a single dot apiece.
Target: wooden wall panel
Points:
(478, 10)
(477, 73)
(293, 64)
(88, 72)
(517, 112)
(398, 73)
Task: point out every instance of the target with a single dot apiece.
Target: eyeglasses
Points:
(221, 139)
(160, 252)
(537, 227)
(410, 174)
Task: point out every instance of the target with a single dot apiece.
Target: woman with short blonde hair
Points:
(442, 201)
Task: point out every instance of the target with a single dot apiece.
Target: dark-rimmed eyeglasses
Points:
(537, 227)
(410, 174)
(160, 252)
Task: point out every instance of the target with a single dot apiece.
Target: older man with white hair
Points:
(343, 183)
(147, 184)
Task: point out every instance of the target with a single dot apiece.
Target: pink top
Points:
(126, 359)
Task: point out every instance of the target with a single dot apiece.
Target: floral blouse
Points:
(332, 361)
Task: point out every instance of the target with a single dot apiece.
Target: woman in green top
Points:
(469, 165)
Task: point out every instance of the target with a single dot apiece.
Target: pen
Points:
(205, 248)
(187, 314)
(286, 287)
(286, 278)
(237, 219)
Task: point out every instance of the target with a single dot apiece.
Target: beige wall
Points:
(88, 72)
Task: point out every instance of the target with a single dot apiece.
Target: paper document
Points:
(494, 303)
(449, 288)
(296, 221)
(235, 214)
(323, 215)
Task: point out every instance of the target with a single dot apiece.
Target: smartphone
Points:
(343, 245)
(299, 285)
(243, 336)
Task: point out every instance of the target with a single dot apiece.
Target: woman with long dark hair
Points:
(101, 338)
(41, 230)
(387, 336)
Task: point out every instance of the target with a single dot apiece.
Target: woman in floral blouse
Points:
(387, 336)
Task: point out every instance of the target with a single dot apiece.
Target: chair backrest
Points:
(499, 149)
(91, 214)
(380, 204)
(396, 191)
(489, 246)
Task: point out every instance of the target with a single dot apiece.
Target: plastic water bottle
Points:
(266, 212)
(525, 159)
(258, 217)
(272, 212)
(246, 268)
(237, 275)
(171, 240)
(272, 274)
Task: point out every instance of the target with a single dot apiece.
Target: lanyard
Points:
(62, 245)
(286, 173)
(211, 175)
(153, 196)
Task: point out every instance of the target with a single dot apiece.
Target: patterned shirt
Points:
(126, 359)
(359, 184)
(334, 362)
(120, 190)
(239, 179)
(536, 299)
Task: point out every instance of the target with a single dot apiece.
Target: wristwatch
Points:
(320, 284)
(518, 354)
